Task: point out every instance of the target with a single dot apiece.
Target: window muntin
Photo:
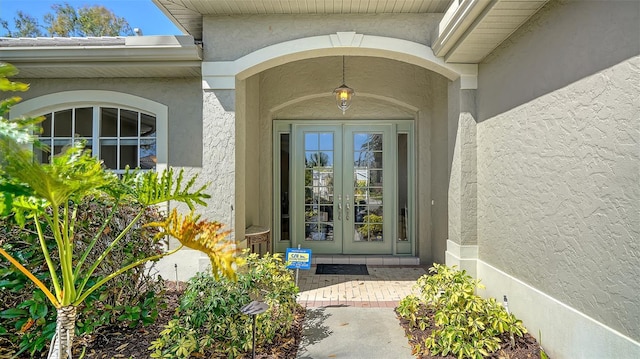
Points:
(120, 137)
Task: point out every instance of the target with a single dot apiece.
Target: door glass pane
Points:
(403, 187)
(284, 187)
(367, 189)
(318, 186)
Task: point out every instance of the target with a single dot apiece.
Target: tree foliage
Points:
(67, 21)
(25, 26)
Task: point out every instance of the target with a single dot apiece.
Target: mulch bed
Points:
(526, 347)
(113, 342)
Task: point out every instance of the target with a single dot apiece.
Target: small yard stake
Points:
(297, 270)
(176, 268)
(506, 306)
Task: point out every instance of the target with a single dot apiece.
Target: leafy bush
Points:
(28, 320)
(209, 322)
(465, 324)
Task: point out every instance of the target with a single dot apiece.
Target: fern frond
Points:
(151, 188)
(205, 236)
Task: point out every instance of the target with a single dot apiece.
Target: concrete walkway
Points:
(353, 333)
(352, 316)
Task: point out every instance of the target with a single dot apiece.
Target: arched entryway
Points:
(391, 85)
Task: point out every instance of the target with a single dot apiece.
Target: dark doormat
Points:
(344, 269)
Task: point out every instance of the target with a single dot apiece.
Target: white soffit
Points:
(187, 14)
(471, 29)
(468, 32)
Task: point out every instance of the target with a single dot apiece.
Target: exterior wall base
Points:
(465, 257)
(566, 332)
(188, 261)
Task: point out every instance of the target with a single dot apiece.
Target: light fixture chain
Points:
(343, 70)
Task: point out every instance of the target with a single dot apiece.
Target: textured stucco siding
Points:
(183, 97)
(462, 191)
(559, 158)
(231, 37)
(218, 152)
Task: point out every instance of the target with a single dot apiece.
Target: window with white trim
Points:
(119, 136)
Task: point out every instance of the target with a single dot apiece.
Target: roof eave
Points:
(152, 48)
(472, 29)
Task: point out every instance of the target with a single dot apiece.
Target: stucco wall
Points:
(183, 97)
(385, 89)
(230, 37)
(559, 158)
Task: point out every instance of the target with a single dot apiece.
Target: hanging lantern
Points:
(344, 94)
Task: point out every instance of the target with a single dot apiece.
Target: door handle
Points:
(339, 207)
(348, 207)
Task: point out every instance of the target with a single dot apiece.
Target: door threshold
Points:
(372, 260)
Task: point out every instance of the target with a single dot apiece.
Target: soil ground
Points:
(108, 343)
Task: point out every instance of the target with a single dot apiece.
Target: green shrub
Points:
(28, 319)
(464, 324)
(209, 322)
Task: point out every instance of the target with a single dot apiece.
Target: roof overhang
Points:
(143, 56)
(468, 32)
(471, 29)
(187, 14)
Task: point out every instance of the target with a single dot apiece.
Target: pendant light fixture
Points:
(344, 94)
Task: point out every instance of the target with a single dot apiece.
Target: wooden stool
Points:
(258, 239)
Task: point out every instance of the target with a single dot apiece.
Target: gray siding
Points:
(559, 158)
(231, 37)
(183, 97)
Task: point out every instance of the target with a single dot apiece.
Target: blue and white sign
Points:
(298, 258)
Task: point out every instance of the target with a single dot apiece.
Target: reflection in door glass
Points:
(403, 187)
(284, 187)
(367, 189)
(318, 186)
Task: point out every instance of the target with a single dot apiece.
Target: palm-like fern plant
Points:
(33, 191)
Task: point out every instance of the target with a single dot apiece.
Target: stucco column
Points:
(462, 248)
(218, 171)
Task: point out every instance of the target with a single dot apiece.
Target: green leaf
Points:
(13, 313)
(10, 284)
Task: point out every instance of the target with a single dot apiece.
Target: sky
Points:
(143, 14)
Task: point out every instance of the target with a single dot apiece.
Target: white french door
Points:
(344, 194)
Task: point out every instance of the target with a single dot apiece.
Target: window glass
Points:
(128, 123)
(84, 122)
(108, 122)
(125, 137)
(46, 125)
(62, 123)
